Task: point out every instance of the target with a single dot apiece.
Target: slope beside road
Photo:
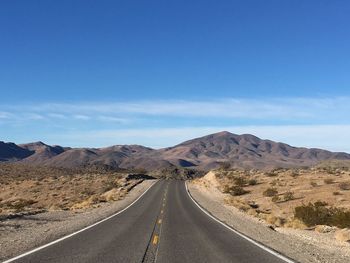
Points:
(164, 225)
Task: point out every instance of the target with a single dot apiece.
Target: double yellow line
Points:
(155, 239)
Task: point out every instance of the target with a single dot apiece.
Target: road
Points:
(164, 225)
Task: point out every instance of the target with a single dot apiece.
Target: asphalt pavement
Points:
(164, 225)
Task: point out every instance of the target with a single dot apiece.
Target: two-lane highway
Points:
(164, 225)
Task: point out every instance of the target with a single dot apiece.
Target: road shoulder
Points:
(293, 246)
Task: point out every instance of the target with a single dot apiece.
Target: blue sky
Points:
(97, 73)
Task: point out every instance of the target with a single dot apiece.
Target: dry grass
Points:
(279, 192)
(28, 188)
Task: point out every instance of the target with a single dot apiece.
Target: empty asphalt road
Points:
(164, 225)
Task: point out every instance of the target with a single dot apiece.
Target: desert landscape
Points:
(303, 194)
(175, 131)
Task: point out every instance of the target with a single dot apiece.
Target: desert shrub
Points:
(313, 184)
(234, 190)
(238, 190)
(253, 182)
(87, 192)
(240, 181)
(19, 204)
(109, 185)
(273, 182)
(294, 173)
(344, 186)
(288, 196)
(319, 214)
(336, 193)
(270, 192)
(328, 181)
(271, 173)
(226, 189)
(275, 199)
(330, 170)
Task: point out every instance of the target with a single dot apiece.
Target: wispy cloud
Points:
(285, 109)
(5, 115)
(113, 119)
(57, 116)
(81, 117)
(33, 116)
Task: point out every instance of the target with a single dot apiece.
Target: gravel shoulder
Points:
(19, 235)
(300, 245)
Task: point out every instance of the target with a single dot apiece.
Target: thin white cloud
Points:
(5, 115)
(33, 116)
(286, 109)
(113, 119)
(57, 116)
(81, 117)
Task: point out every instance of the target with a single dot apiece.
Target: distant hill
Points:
(246, 151)
(12, 152)
(41, 152)
(241, 151)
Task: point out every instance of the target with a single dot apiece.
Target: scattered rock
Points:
(271, 227)
(253, 205)
(324, 229)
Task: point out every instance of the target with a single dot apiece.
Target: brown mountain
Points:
(242, 151)
(245, 151)
(41, 152)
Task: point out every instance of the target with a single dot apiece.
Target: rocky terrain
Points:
(208, 152)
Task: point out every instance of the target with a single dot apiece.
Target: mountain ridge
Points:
(204, 153)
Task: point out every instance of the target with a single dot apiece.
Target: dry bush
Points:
(328, 181)
(275, 199)
(274, 182)
(288, 196)
(240, 181)
(270, 192)
(313, 184)
(253, 182)
(234, 190)
(238, 190)
(344, 186)
(18, 205)
(319, 214)
(294, 174)
(271, 173)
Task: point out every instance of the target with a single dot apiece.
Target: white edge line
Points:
(77, 232)
(238, 233)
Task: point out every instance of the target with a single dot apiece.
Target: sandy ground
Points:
(300, 245)
(21, 234)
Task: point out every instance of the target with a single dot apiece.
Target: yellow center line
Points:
(155, 239)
